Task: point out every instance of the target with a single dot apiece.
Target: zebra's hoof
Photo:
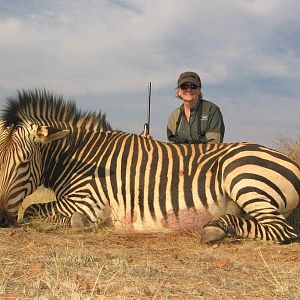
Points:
(212, 234)
(79, 220)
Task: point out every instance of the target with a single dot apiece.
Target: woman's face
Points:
(189, 92)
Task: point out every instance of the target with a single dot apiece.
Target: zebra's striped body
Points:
(235, 189)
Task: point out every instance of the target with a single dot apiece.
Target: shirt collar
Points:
(195, 107)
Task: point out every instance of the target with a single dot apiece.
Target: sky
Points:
(103, 54)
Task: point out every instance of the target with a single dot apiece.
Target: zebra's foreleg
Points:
(47, 211)
(50, 213)
(70, 214)
(42, 210)
(271, 226)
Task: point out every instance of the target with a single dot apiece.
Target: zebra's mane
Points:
(44, 108)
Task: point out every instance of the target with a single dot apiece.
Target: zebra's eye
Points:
(24, 164)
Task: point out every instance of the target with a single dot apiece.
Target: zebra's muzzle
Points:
(6, 220)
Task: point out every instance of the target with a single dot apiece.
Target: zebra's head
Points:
(21, 164)
(34, 126)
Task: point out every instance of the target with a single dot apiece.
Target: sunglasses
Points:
(186, 86)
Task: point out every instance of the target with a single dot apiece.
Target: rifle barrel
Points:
(149, 105)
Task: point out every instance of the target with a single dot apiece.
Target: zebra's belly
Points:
(182, 221)
(185, 221)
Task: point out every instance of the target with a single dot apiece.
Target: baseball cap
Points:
(189, 77)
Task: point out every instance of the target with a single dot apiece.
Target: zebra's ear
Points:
(46, 134)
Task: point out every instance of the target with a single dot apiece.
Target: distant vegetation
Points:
(290, 147)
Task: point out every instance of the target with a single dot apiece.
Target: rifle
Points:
(147, 125)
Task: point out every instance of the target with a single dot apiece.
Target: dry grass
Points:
(39, 261)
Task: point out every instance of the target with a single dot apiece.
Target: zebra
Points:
(232, 189)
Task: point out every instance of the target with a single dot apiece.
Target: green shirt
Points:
(212, 125)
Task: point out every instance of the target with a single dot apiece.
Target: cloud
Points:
(245, 51)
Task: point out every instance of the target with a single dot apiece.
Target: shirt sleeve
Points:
(215, 127)
(171, 127)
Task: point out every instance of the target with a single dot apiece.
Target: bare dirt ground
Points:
(42, 261)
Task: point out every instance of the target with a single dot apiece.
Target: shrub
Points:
(291, 148)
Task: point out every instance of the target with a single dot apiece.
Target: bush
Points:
(291, 148)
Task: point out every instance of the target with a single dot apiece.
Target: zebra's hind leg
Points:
(212, 234)
(267, 225)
